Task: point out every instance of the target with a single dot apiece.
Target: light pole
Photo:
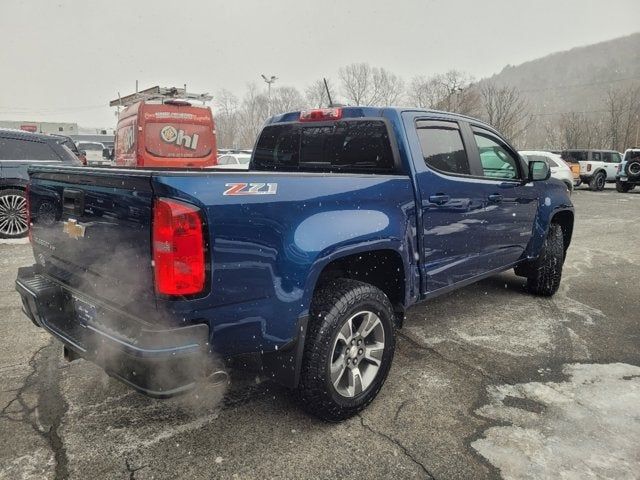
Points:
(269, 81)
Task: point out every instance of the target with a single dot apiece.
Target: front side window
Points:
(575, 156)
(596, 157)
(443, 150)
(496, 160)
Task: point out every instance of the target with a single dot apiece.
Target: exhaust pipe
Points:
(218, 377)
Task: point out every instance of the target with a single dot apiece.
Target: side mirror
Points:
(538, 170)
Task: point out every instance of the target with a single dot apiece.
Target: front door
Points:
(510, 203)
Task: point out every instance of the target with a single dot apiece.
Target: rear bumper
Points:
(157, 362)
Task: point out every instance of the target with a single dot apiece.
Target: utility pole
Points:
(269, 81)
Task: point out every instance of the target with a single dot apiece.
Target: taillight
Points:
(588, 167)
(28, 207)
(321, 114)
(178, 248)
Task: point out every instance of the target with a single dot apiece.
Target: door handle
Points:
(495, 198)
(439, 198)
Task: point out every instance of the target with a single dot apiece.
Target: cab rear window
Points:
(345, 146)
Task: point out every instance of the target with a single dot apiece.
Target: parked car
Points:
(629, 171)
(18, 151)
(559, 168)
(597, 167)
(307, 262)
(70, 144)
(233, 161)
(96, 153)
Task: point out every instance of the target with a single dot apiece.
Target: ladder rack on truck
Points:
(159, 94)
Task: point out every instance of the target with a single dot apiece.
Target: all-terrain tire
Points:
(598, 181)
(624, 187)
(545, 272)
(333, 304)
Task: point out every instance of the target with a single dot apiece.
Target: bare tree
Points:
(286, 99)
(453, 91)
(366, 85)
(316, 94)
(227, 117)
(578, 130)
(623, 110)
(506, 110)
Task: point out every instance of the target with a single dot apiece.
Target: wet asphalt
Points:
(443, 412)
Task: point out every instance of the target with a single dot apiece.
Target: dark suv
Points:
(19, 150)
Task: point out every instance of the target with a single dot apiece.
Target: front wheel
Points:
(598, 182)
(348, 350)
(544, 274)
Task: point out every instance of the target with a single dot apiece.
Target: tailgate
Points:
(91, 232)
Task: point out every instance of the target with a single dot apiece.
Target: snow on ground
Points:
(585, 427)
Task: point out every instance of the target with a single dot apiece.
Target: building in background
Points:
(41, 127)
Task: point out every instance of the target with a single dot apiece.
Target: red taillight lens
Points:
(321, 114)
(588, 167)
(178, 248)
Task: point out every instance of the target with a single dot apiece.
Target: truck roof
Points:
(24, 135)
(356, 112)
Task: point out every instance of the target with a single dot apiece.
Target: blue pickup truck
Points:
(306, 263)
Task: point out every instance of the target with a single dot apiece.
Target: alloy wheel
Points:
(13, 215)
(357, 354)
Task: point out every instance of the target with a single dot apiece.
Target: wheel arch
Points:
(382, 266)
(564, 218)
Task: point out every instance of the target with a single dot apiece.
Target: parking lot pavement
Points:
(487, 382)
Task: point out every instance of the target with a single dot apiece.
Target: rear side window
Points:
(442, 148)
(15, 149)
(347, 146)
(610, 157)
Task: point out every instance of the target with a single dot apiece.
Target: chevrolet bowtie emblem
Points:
(73, 228)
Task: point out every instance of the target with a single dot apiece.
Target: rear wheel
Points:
(13, 213)
(348, 349)
(624, 187)
(598, 181)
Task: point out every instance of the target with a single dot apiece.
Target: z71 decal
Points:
(251, 188)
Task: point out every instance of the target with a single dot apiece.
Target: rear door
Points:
(510, 205)
(451, 207)
(611, 162)
(91, 232)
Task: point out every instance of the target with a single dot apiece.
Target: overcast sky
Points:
(64, 60)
